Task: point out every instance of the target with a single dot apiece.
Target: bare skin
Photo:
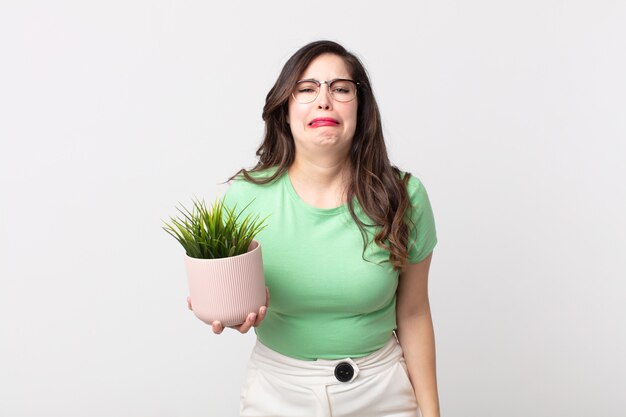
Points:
(416, 334)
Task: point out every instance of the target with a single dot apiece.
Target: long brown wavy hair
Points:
(380, 188)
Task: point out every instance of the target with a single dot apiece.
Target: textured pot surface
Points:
(227, 289)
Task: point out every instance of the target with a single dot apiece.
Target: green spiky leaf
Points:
(214, 232)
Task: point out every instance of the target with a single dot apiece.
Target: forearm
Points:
(417, 338)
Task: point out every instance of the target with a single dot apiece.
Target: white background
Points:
(513, 114)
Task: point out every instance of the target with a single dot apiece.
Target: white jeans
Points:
(376, 385)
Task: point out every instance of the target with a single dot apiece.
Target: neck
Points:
(322, 174)
(321, 185)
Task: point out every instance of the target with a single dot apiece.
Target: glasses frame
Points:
(328, 84)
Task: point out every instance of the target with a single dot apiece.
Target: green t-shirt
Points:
(326, 301)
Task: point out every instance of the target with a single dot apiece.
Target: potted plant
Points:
(223, 261)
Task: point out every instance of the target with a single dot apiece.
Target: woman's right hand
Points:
(253, 319)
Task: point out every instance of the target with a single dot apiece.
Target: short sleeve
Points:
(422, 232)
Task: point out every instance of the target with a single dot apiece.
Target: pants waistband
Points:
(322, 371)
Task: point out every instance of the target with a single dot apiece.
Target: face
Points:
(311, 134)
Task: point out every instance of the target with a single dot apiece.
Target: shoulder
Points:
(414, 182)
(421, 221)
(240, 187)
(259, 175)
(415, 188)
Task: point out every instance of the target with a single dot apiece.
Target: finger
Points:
(248, 323)
(217, 327)
(261, 316)
(267, 296)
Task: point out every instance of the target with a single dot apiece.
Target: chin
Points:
(331, 141)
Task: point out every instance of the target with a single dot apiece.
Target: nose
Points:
(323, 98)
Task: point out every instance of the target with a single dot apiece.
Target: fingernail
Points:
(263, 310)
(253, 317)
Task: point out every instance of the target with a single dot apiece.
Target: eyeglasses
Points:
(341, 89)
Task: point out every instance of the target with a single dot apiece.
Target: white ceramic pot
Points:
(227, 289)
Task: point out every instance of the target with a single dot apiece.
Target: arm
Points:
(416, 335)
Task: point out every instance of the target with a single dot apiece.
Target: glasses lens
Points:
(305, 91)
(343, 90)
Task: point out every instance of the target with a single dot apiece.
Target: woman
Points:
(346, 252)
